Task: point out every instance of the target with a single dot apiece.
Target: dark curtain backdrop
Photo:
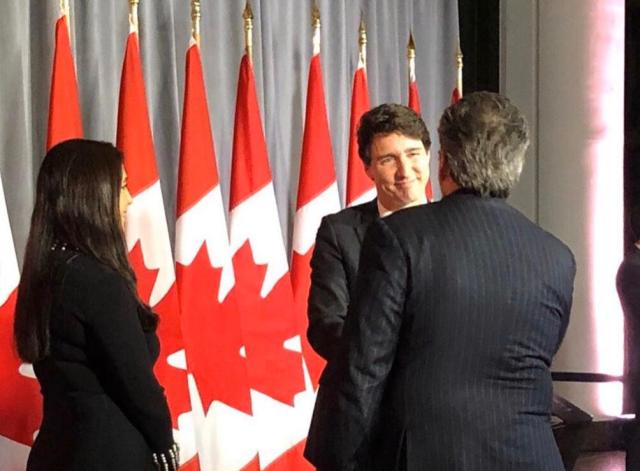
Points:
(282, 51)
(480, 40)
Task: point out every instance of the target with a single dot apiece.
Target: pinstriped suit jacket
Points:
(458, 310)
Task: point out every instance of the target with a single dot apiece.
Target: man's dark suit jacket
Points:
(334, 266)
(628, 285)
(458, 310)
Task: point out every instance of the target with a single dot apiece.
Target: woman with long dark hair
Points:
(81, 323)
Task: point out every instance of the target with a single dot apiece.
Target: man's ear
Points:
(447, 183)
(443, 166)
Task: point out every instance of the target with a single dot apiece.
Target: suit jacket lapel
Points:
(368, 214)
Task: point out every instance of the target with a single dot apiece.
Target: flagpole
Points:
(64, 10)
(459, 65)
(362, 43)
(411, 55)
(133, 16)
(247, 15)
(195, 21)
(315, 24)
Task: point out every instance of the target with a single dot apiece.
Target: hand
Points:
(168, 460)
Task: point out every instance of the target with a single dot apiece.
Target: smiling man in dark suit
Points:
(458, 309)
(393, 144)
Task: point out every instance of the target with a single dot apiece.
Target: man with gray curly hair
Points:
(459, 307)
(483, 142)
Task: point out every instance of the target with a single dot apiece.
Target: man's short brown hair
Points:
(386, 119)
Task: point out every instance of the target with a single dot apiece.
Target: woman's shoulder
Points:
(91, 287)
(82, 270)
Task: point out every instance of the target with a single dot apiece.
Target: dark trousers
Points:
(633, 447)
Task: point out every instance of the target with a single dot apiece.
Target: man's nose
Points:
(404, 168)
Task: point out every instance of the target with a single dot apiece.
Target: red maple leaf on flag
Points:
(292, 459)
(21, 403)
(273, 369)
(215, 337)
(145, 277)
(253, 465)
(170, 343)
(192, 465)
(315, 363)
(168, 375)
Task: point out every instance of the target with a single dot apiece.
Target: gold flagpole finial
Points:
(315, 24)
(459, 66)
(64, 11)
(64, 8)
(411, 47)
(411, 56)
(133, 15)
(362, 41)
(195, 21)
(247, 15)
(315, 16)
(362, 33)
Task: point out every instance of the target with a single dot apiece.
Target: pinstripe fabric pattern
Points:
(458, 310)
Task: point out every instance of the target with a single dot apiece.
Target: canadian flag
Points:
(20, 400)
(414, 104)
(65, 121)
(360, 188)
(455, 95)
(149, 246)
(414, 95)
(281, 399)
(218, 380)
(317, 197)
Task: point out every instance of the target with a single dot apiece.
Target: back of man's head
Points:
(484, 138)
(386, 119)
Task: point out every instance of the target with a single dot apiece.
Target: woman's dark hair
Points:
(77, 206)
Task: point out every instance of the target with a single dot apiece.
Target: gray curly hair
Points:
(484, 137)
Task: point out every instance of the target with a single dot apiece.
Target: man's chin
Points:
(414, 197)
